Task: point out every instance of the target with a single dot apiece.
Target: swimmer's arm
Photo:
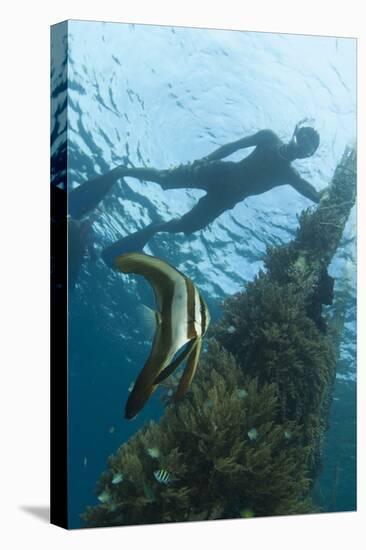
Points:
(304, 187)
(261, 137)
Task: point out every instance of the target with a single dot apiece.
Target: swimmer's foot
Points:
(132, 243)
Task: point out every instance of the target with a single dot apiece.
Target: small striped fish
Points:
(182, 320)
(162, 476)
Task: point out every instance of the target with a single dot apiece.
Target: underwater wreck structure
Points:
(247, 439)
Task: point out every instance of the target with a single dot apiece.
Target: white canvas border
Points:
(25, 297)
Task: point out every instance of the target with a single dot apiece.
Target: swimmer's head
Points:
(307, 141)
(304, 142)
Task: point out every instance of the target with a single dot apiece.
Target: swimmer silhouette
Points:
(226, 183)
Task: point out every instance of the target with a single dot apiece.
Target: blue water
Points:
(162, 96)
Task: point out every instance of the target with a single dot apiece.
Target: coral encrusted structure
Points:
(247, 438)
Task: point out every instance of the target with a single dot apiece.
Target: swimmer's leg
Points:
(132, 243)
(88, 195)
(182, 177)
(202, 174)
(199, 175)
(206, 210)
(138, 240)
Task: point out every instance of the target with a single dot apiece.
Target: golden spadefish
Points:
(182, 320)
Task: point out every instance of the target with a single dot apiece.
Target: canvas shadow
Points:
(40, 512)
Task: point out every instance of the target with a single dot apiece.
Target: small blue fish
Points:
(117, 478)
(252, 434)
(105, 497)
(153, 452)
(162, 476)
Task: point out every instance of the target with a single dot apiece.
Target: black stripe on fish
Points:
(162, 476)
(203, 315)
(174, 364)
(191, 311)
(190, 370)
